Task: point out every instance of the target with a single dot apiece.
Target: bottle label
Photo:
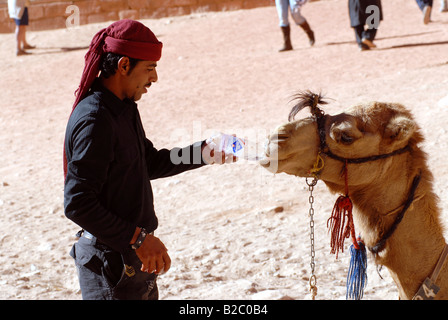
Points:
(237, 145)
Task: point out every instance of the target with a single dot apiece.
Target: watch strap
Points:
(141, 237)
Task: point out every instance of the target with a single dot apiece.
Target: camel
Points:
(394, 206)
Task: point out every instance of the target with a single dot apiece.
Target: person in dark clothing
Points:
(364, 12)
(109, 163)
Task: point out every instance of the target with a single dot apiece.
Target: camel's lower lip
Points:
(264, 162)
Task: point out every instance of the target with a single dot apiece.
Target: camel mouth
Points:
(277, 139)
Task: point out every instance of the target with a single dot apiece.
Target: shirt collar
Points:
(115, 104)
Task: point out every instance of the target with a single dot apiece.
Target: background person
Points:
(426, 7)
(283, 8)
(18, 10)
(443, 5)
(359, 14)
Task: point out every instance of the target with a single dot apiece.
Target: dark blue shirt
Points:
(110, 163)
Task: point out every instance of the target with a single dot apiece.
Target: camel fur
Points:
(378, 189)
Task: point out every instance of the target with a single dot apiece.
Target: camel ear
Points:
(399, 129)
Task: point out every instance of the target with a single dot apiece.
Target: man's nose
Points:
(154, 77)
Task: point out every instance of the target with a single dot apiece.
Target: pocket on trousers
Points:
(85, 257)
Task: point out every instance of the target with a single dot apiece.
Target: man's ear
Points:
(400, 128)
(123, 65)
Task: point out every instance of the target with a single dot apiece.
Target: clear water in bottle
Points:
(239, 147)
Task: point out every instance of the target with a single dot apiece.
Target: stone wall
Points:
(53, 14)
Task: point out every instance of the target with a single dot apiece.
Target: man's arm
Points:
(165, 163)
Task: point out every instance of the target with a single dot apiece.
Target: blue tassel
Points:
(357, 273)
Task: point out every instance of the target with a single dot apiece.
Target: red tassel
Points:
(341, 221)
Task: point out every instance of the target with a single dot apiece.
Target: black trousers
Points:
(105, 274)
(362, 32)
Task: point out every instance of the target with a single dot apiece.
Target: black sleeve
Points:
(89, 149)
(165, 163)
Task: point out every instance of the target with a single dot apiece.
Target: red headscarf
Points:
(127, 37)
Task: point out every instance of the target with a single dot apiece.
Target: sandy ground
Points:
(219, 72)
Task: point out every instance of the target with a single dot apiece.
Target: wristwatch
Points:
(141, 237)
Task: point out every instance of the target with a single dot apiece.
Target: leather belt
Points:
(94, 240)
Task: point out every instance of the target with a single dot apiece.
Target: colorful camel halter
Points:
(340, 222)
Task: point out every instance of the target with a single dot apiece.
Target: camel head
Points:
(321, 144)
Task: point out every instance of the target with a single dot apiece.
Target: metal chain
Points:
(313, 279)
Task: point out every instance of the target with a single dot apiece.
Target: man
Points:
(359, 13)
(108, 165)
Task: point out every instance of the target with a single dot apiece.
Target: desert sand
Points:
(233, 231)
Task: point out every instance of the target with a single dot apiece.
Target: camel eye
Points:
(346, 139)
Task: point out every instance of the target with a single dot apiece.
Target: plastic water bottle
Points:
(239, 147)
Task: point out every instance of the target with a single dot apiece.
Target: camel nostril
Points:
(281, 136)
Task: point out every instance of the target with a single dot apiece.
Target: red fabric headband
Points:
(137, 50)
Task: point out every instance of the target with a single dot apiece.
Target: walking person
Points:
(18, 10)
(426, 7)
(293, 6)
(360, 11)
(109, 164)
(443, 5)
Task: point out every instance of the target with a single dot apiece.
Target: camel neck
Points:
(380, 245)
(413, 249)
(410, 260)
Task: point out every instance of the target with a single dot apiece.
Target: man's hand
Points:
(154, 255)
(212, 155)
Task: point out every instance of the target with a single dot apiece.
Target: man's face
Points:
(139, 79)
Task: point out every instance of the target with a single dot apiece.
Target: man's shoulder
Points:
(91, 111)
(91, 106)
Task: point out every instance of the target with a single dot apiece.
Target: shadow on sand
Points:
(51, 50)
(407, 45)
